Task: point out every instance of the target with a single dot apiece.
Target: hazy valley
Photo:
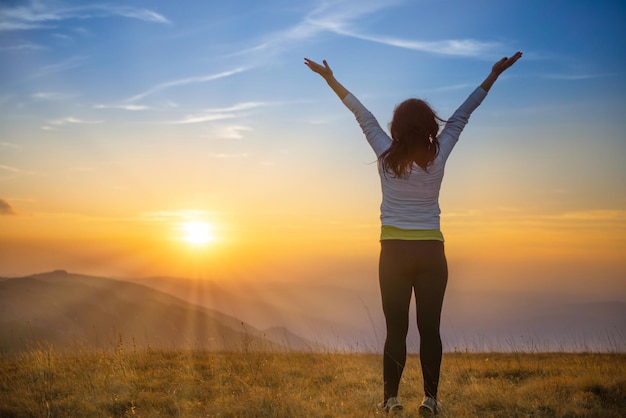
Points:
(69, 310)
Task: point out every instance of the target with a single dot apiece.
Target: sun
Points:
(197, 232)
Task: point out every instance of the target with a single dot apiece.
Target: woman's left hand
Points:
(499, 67)
(324, 70)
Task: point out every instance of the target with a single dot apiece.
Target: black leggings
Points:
(406, 267)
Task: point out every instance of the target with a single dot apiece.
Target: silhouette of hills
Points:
(349, 316)
(72, 310)
(63, 309)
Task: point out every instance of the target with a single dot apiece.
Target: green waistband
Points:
(392, 232)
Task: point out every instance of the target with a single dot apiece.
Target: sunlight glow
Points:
(197, 232)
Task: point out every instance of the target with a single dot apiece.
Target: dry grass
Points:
(152, 383)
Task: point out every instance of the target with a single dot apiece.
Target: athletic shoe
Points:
(391, 405)
(429, 407)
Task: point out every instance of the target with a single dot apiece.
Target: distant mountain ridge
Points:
(72, 310)
(220, 313)
(349, 315)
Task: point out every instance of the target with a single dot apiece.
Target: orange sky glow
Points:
(110, 148)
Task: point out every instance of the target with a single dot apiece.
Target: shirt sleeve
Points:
(449, 136)
(375, 135)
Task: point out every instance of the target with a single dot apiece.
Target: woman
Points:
(412, 259)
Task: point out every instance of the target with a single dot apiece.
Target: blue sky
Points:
(111, 111)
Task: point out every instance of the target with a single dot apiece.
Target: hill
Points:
(70, 310)
(348, 315)
(340, 315)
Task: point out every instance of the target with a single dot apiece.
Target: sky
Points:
(147, 138)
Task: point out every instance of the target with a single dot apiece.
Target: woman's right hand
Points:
(327, 74)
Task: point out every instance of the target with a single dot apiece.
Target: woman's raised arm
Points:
(327, 74)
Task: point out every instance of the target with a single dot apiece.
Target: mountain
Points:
(533, 322)
(219, 313)
(71, 310)
(349, 316)
(336, 316)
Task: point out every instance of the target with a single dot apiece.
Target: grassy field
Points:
(153, 383)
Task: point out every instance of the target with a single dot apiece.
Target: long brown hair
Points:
(414, 129)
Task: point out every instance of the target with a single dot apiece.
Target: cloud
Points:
(55, 123)
(51, 96)
(341, 21)
(200, 118)
(521, 218)
(62, 37)
(240, 106)
(452, 87)
(68, 64)
(15, 172)
(10, 169)
(210, 115)
(134, 13)
(38, 15)
(231, 131)
(322, 19)
(131, 107)
(24, 46)
(73, 121)
(225, 156)
(5, 208)
(342, 17)
(8, 145)
(457, 47)
(174, 216)
(599, 215)
(185, 81)
(577, 77)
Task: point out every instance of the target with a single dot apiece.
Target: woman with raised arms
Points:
(411, 163)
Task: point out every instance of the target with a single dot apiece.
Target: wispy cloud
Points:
(68, 64)
(458, 47)
(452, 87)
(225, 156)
(342, 18)
(10, 169)
(38, 15)
(210, 115)
(521, 216)
(595, 215)
(23, 46)
(185, 81)
(134, 13)
(51, 96)
(8, 145)
(240, 106)
(577, 77)
(14, 171)
(55, 123)
(200, 118)
(324, 18)
(231, 131)
(174, 216)
(342, 21)
(128, 106)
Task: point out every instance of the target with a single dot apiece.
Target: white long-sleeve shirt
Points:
(412, 203)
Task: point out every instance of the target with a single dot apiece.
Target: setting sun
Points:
(197, 232)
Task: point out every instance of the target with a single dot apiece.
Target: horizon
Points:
(293, 315)
(150, 139)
